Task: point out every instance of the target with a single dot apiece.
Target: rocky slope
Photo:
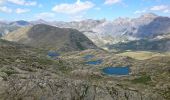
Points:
(29, 74)
(103, 32)
(7, 27)
(49, 37)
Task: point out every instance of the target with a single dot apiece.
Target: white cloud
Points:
(110, 2)
(20, 11)
(23, 2)
(167, 11)
(5, 9)
(159, 8)
(45, 15)
(73, 8)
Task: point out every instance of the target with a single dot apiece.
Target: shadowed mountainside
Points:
(49, 37)
(159, 45)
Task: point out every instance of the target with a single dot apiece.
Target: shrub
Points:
(142, 79)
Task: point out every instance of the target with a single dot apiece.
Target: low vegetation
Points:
(29, 72)
(142, 55)
(144, 79)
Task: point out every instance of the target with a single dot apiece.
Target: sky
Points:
(75, 10)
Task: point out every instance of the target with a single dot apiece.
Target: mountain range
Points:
(41, 60)
(103, 32)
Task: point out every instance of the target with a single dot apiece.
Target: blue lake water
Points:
(88, 57)
(96, 62)
(116, 70)
(53, 54)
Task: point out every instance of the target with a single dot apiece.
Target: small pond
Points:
(96, 62)
(53, 54)
(116, 70)
(88, 57)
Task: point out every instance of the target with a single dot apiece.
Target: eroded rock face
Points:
(45, 88)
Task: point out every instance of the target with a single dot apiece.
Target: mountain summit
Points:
(149, 15)
(49, 37)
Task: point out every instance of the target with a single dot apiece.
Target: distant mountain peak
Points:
(121, 19)
(41, 20)
(149, 15)
(20, 23)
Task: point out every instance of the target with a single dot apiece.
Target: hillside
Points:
(49, 37)
(27, 73)
(5, 28)
(160, 45)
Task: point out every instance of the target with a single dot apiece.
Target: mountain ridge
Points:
(50, 37)
(103, 32)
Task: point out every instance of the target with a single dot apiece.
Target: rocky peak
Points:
(20, 23)
(149, 15)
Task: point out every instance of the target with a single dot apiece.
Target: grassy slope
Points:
(143, 55)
